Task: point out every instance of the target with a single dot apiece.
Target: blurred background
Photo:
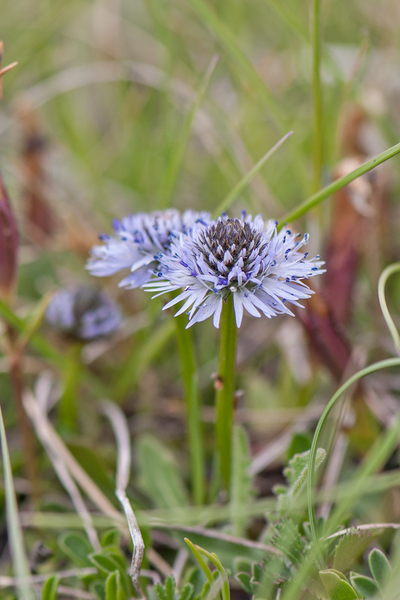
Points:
(106, 115)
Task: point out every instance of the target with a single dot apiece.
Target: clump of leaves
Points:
(296, 476)
(168, 591)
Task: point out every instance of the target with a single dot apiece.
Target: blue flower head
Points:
(83, 313)
(262, 269)
(139, 241)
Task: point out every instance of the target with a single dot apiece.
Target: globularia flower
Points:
(138, 241)
(261, 268)
(83, 313)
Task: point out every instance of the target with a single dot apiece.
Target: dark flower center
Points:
(229, 235)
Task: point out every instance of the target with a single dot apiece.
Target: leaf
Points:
(105, 564)
(288, 540)
(98, 590)
(244, 580)
(241, 482)
(187, 592)
(336, 585)
(380, 567)
(113, 587)
(365, 586)
(76, 547)
(296, 472)
(49, 591)
(212, 557)
(296, 475)
(299, 443)
(111, 538)
(350, 547)
(159, 476)
(166, 591)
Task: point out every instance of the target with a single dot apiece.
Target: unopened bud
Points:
(8, 246)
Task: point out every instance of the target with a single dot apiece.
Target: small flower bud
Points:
(8, 246)
(83, 313)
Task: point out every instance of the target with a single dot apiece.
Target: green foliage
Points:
(113, 587)
(380, 567)
(337, 585)
(49, 591)
(288, 540)
(350, 547)
(168, 590)
(76, 547)
(365, 586)
(296, 476)
(159, 475)
(241, 482)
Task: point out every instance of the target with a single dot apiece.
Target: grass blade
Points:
(18, 555)
(172, 170)
(239, 187)
(382, 301)
(330, 189)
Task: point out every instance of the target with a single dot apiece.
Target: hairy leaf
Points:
(159, 476)
(380, 567)
(351, 546)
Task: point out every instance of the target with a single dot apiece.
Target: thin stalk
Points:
(224, 390)
(240, 186)
(318, 144)
(386, 273)
(193, 408)
(28, 441)
(337, 185)
(71, 376)
(391, 362)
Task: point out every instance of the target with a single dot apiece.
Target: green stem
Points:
(71, 377)
(330, 189)
(225, 389)
(318, 146)
(193, 410)
(391, 362)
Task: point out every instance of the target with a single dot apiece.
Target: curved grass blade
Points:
(386, 273)
(391, 362)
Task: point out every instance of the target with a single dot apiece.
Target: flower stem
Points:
(71, 378)
(195, 437)
(225, 388)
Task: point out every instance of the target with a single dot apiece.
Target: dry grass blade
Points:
(66, 480)
(12, 581)
(121, 432)
(49, 438)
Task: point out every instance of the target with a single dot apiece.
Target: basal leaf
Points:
(365, 586)
(337, 585)
(160, 477)
(380, 567)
